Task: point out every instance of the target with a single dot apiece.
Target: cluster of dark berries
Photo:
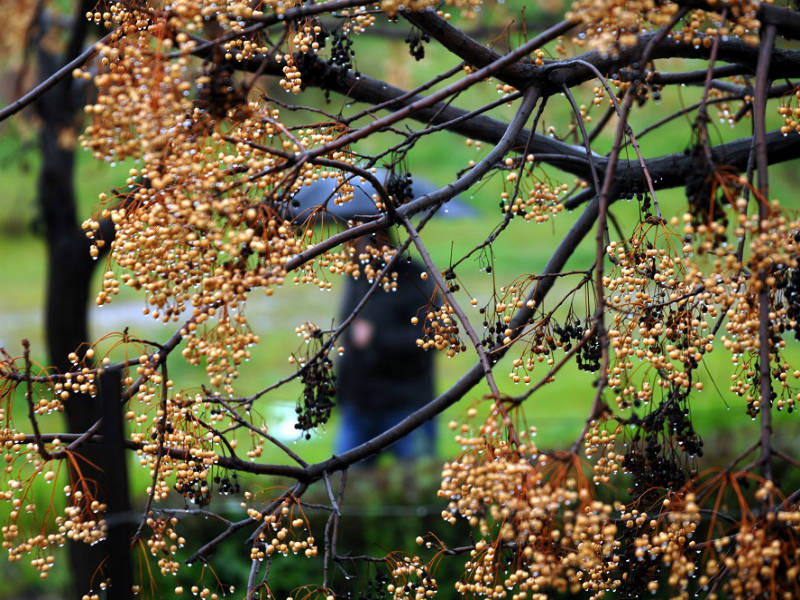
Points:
(494, 332)
(644, 92)
(416, 40)
(589, 356)
(450, 278)
(673, 414)
(319, 390)
(375, 589)
(645, 203)
(399, 187)
(652, 458)
(755, 390)
(342, 52)
(636, 571)
(653, 468)
(228, 485)
(791, 297)
(571, 330)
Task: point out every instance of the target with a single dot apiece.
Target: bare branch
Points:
(44, 86)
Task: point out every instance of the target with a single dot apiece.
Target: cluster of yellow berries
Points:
(412, 580)
(82, 521)
(543, 202)
(600, 444)
(203, 223)
(609, 26)
(541, 529)
(164, 542)
(196, 207)
(441, 331)
(791, 116)
(760, 556)
(280, 533)
(667, 295)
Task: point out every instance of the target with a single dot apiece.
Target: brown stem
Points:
(65, 71)
(762, 167)
(37, 435)
(702, 113)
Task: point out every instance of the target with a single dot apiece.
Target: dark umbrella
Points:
(323, 191)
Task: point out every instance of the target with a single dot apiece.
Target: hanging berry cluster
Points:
(788, 284)
(319, 390)
(707, 191)
(282, 531)
(440, 331)
(534, 514)
(416, 41)
(375, 588)
(342, 51)
(573, 331)
(411, 580)
(200, 228)
(194, 486)
(399, 187)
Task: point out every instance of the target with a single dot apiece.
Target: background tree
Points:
(630, 507)
(55, 38)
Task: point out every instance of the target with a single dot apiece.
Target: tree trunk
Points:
(69, 273)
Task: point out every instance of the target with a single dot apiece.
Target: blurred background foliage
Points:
(389, 505)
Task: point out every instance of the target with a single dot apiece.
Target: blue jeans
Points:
(357, 426)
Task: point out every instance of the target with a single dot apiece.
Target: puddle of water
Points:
(261, 312)
(264, 314)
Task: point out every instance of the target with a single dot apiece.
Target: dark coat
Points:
(391, 372)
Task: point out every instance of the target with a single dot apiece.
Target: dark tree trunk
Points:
(119, 514)
(69, 273)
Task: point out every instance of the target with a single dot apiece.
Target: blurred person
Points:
(383, 376)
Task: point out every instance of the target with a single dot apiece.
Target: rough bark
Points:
(69, 274)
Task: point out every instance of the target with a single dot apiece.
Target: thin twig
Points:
(762, 167)
(623, 115)
(239, 419)
(37, 435)
(51, 81)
